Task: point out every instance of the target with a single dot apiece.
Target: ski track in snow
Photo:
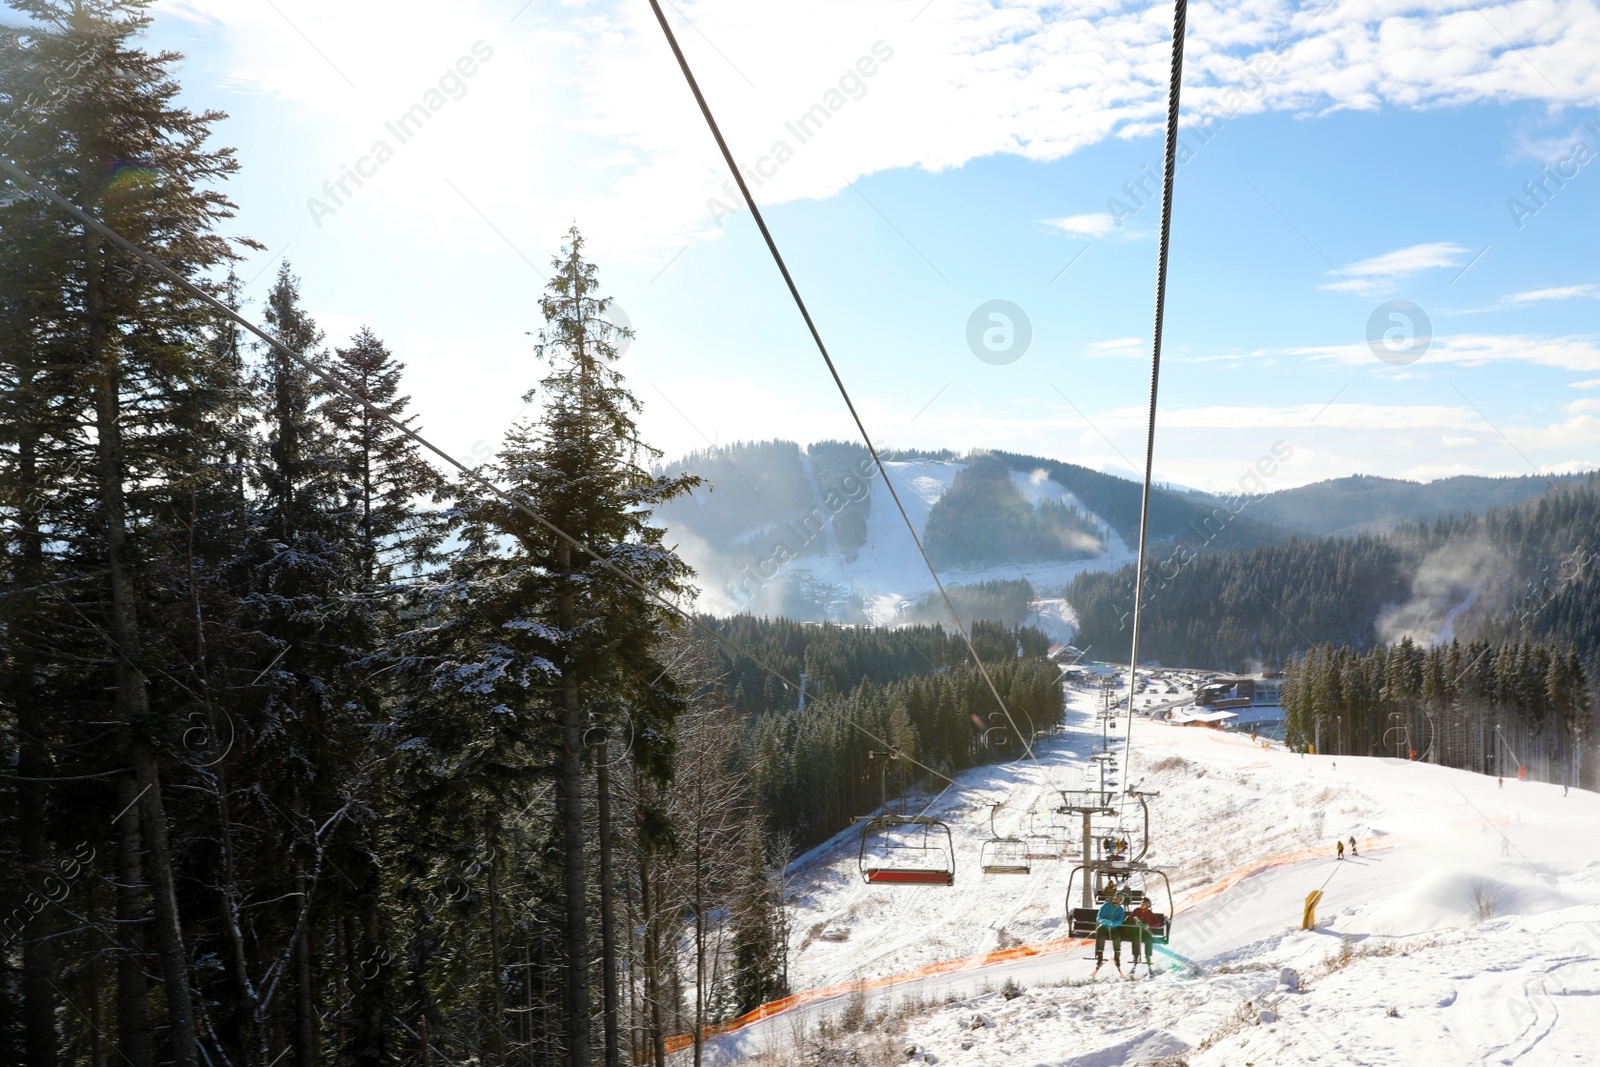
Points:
(1471, 917)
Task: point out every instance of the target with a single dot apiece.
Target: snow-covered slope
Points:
(1466, 931)
(888, 572)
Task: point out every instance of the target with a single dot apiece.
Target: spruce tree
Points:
(125, 353)
(534, 645)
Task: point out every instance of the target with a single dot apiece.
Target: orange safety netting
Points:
(985, 959)
(982, 959)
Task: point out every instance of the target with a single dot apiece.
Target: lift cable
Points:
(28, 182)
(1180, 14)
(777, 257)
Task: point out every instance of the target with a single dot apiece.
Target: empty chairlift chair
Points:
(1048, 835)
(907, 850)
(1003, 855)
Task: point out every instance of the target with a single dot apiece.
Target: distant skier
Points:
(1108, 922)
(1353, 852)
(1340, 854)
(1502, 783)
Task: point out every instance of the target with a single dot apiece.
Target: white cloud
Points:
(1120, 348)
(1471, 350)
(1379, 273)
(1096, 224)
(1566, 292)
(963, 79)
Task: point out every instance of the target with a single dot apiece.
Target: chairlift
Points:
(1118, 866)
(1049, 835)
(905, 849)
(1001, 854)
(1135, 883)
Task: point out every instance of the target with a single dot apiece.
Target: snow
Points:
(1465, 930)
(888, 571)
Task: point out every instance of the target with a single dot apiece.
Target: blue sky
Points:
(1358, 153)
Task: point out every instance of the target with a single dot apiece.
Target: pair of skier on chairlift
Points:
(1114, 922)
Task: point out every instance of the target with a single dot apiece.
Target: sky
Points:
(1382, 252)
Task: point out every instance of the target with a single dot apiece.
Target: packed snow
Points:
(1466, 929)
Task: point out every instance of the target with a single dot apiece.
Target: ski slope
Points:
(1466, 931)
(888, 572)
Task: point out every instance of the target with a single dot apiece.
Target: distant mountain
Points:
(811, 533)
(1206, 521)
(1364, 503)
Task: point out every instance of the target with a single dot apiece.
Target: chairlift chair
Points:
(1047, 838)
(1005, 855)
(1001, 854)
(1117, 864)
(1135, 881)
(907, 850)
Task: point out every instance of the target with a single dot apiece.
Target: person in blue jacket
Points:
(1108, 922)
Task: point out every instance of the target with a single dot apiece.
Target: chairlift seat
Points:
(1082, 924)
(1004, 855)
(1007, 868)
(908, 876)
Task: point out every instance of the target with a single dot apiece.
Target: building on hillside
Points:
(1254, 700)
(1197, 716)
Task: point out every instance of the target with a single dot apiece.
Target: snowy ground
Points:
(1467, 931)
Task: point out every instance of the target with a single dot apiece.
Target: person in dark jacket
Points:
(1108, 923)
(1142, 920)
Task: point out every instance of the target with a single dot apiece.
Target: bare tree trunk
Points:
(608, 937)
(652, 961)
(97, 1041)
(131, 696)
(699, 926)
(305, 1036)
(497, 996)
(169, 932)
(39, 1040)
(133, 994)
(632, 1010)
(576, 882)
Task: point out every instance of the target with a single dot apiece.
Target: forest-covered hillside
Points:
(1526, 572)
(984, 518)
(1363, 502)
(913, 689)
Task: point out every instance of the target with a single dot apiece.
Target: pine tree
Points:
(125, 350)
(383, 472)
(534, 646)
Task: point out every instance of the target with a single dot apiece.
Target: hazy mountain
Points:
(1366, 503)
